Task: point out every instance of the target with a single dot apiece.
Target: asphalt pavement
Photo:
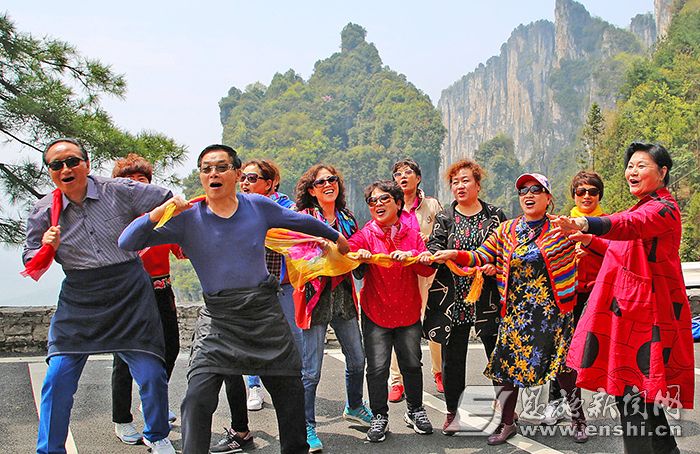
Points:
(93, 432)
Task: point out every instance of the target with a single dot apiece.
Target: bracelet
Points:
(584, 228)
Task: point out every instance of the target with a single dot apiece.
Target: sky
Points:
(179, 59)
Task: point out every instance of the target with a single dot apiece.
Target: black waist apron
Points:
(104, 310)
(244, 332)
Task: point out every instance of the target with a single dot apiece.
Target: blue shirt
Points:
(226, 253)
(89, 232)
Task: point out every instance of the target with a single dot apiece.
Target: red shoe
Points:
(438, 383)
(396, 393)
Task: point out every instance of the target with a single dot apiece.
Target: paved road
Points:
(92, 429)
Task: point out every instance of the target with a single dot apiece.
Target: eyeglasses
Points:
(374, 201)
(69, 162)
(220, 168)
(251, 177)
(407, 172)
(535, 189)
(322, 181)
(591, 191)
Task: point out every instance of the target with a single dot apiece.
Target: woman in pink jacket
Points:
(634, 339)
(391, 307)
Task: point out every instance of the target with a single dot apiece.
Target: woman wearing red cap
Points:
(536, 279)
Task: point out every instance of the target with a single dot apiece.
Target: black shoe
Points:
(418, 420)
(232, 442)
(378, 428)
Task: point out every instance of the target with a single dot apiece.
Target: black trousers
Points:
(454, 363)
(636, 427)
(121, 378)
(202, 398)
(236, 396)
(379, 342)
(581, 299)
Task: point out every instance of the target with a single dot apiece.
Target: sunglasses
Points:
(407, 172)
(591, 191)
(374, 201)
(220, 168)
(322, 181)
(535, 189)
(251, 177)
(69, 162)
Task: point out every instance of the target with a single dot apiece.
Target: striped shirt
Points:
(89, 232)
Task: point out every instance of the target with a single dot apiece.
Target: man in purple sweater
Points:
(241, 328)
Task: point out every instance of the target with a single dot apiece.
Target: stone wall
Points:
(25, 329)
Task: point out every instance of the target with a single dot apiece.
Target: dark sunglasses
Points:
(374, 201)
(69, 162)
(535, 189)
(251, 177)
(591, 191)
(322, 181)
(220, 168)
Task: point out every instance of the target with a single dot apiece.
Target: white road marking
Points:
(37, 371)
(519, 441)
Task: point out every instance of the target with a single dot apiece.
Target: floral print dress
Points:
(534, 336)
(467, 237)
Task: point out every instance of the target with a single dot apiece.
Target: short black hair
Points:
(75, 142)
(235, 160)
(390, 187)
(657, 152)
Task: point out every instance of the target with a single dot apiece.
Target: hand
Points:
(425, 258)
(343, 246)
(400, 256)
(180, 205)
(443, 256)
(583, 238)
(489, 269)
(564, 225)
(364, 255)
(52, 237)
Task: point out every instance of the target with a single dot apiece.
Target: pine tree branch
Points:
(19, 181)
(5, 131)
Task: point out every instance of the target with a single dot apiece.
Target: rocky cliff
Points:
(539, 88)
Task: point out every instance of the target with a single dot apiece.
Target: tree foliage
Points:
(48, 90)
(352, 112)
(661, 103)
(497, 186)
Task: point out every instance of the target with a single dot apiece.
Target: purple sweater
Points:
(225, 253)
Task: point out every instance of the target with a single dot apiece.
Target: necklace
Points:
(532, 233)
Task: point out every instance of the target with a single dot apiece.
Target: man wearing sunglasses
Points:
(106, 303)
(241, 330)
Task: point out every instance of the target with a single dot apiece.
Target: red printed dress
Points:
(635, 330)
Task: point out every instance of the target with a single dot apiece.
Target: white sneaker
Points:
(172, 417)
(160, 447)
(127, 433)
(554, 412)
(256, 398)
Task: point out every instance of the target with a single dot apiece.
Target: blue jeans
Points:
(61, 382)
(287, 303)
(348, 334)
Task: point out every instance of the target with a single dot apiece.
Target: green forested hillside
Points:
(660, 102)
(353, 112)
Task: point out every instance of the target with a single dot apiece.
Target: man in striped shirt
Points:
(106, 303)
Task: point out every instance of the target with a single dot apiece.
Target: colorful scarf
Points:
(40, 263)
